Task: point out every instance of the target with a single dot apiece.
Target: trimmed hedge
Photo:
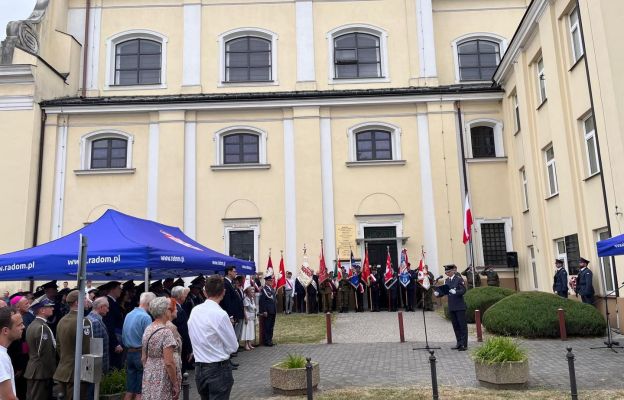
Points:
(534, 315)
(481, 298)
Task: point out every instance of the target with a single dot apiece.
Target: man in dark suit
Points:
(41, 351)
(560, 281)
(268, 309)
(584, 282)
(232, 304)
(179, 293)
(194, 298)
(114, 324)
(456, 305)
(312, 290)
(300, 293)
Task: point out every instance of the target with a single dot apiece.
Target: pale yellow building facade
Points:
(258, 126)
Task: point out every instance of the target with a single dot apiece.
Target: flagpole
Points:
(472, 258)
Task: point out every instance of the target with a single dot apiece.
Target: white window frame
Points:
(359, 28)
(575, 36)
(516, 113)
(551, 165)
(590, 135)
(242, 224)
(248, 31)
(498, 137)
(525, 189)
(541, 80)
(111, 44)
(533, 266)
(395, 137)
(262, 145)
(478, 242)
(602, 266)
(502, 47)
(561, 256)
(85, 148)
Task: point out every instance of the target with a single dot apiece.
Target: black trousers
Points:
(214, 381)
(587, 299)
(460, 327)
(269, 324)
(375, 299)
(563, 294)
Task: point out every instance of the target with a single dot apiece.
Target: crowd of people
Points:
(155, 335)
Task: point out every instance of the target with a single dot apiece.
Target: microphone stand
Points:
(609, 343)
(427, 347)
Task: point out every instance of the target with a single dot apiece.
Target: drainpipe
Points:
(602, 179)
(85, 48)
(44, 117)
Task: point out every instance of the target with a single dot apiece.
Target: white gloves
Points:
(437, 294)
(452, 291)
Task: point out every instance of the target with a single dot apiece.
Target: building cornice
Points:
(78, 105)
(16, 74)
(525, 31)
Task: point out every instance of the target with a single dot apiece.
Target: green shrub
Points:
(499, 349)
(534, 315)
(293, 361)
(113, 382)
(481, 298)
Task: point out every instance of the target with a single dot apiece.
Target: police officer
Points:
(268, 309)
(374, 290)
(492, 276)
(456, 305)
(411, 290)
(41, 351)
(560, 282)
(584, 282)
(468, 273)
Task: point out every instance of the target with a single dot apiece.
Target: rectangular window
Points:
(516, 112)
(590, 145)
(551, 170)
(575, 36)
(533, 266)
(541, 80)
(525, 189)
(494, 244)
(606, 265)
(242, 244)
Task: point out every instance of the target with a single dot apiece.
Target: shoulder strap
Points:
(150, 338)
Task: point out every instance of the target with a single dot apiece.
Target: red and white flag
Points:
(423, 273)
(389, 278)
(323, 274)
(269, 270)
(281, 281)
(467, 222)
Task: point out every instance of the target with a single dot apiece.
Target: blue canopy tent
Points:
(611, 247)
(120, 247)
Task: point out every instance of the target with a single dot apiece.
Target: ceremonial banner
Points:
(366, 271)
(389, 278)
(423, 273)
(323, 275)
(269, 270)
(354, 278)
(305, 273)
(337, 272)
(281, 280)
(404, 271)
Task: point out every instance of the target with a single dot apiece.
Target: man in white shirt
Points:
(11, 327)
(213, 340)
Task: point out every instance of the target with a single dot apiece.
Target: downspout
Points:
(602, 179)
(85, 47)
(44, 117)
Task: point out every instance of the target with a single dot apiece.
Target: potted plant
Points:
(501, 363)
(113, 385)
(288, 377)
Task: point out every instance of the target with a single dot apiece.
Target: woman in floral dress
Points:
(162, 373)
(249, 327)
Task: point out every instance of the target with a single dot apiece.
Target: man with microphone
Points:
(457, 306)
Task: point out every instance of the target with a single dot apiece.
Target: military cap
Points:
(49, 285)
(156, 285)
(584, 260)
(195, 286)
(178, 282)
(199, 280)
(63, 291)
(168, 280)
(449, 267)
(127, 285)
(72, 296)
(268, 278)
(38, 292)
(42, 301)
(559, 261)
(109, 285)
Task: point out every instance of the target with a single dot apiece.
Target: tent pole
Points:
(82, 274)
(147, 279)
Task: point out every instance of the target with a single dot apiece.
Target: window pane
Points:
(127, 62)
(487, 73)
(98, 164)
(482, 138)
(468, 47)
(231, 148)
(364, 40)
(99, 154)
(573, 253)
(591, 154)
(250, 158)
(369, 71)
(487, 47)
(149, 77)
(382, 144)
(119, 143)
(368, 55)
(250, 138)
(239, 44)
(494, 244)
(129, 47)
(242, 244)
(364, 135)
(488, 60)
(260, 59)
(346, 56)
(550, 153)
(118, 153)
(150, 62)
(231, 159)
(383, 155)
(236, 59)
(551, 179)
(260, 74)
(574, 16)
(589, 124)
(364, 155)
(250, 148)
(258, 44)
(150, 47)
(126, 77)
(346, 71)
(231, 139)
(576, 43)
(236, 74)
(343, 41)
(118, 163)
(100, 144)
(470, 74)
(364, 145)
(469, 60)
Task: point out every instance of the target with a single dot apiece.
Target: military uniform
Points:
(457, 307)
(584, 283)
(42, 358)
(344, 289)
(375, 292)
(560, 280)
(327, 289)
(66, 349)
(268, 305)
(428, 294)
(492, 276)
(411, 291)
(468, 274)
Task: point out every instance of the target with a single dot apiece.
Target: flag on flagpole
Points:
(323, 275)
(305, 273)
(423, 273)
(281, 280)
(467, 221)
(404, 271)
(354, 278)
(389, 278)
(269, 270)
(366, 271)
(337, 269)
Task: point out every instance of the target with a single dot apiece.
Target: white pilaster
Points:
(426, 190)
(426, 44)
(327, 181)
(60, 171)
(192, 45)
(290, 197)
(305, 40)
(152, 171)
(190, 178)
(93, 52)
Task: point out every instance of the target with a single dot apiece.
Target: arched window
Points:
(357, 55)
(373, 145)
(241, 148)
(109, 153)
(482, 139)
(478, 59)
(248, 59)
(138, 62)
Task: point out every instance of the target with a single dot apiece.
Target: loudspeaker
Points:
(512, 259)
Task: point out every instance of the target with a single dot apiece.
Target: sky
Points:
(12, 10)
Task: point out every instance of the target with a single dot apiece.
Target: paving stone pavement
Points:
(383, 363)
